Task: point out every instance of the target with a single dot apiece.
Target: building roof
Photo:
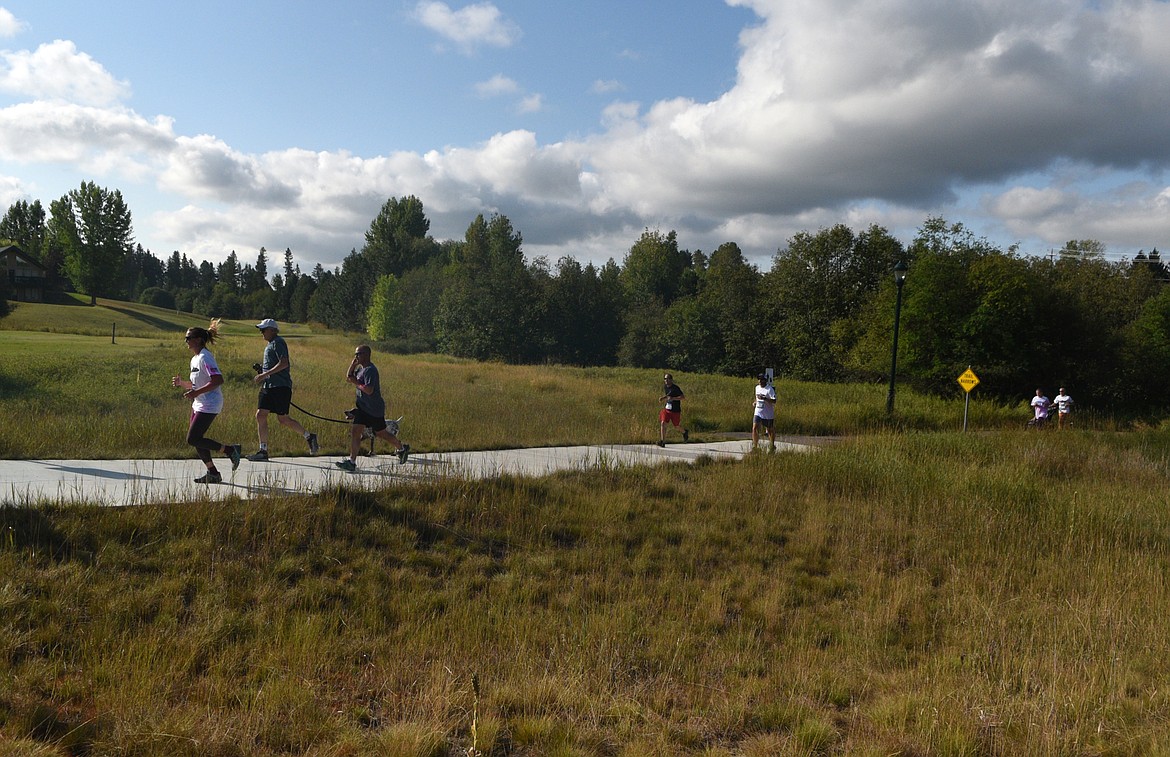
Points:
(13, 249)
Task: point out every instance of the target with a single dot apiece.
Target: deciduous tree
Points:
(95, 231)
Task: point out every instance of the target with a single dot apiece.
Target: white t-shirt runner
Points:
(765, 410)
(203, 367)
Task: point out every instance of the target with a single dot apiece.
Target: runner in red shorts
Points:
(673, 395)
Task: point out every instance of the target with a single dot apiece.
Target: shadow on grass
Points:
(64, 298)
(159, 323)
(28, 528)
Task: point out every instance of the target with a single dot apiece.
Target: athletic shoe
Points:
(234, 452)
(346, 465)
(686, 435)
(403, 453)
(314, 448)
(210, 477)
(660, 443)
(260, 456)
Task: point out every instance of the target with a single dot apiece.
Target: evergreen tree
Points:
(397, 239)
(302, 295)
(654, 268)
(486, 311)
(24, 225)
(228, 272)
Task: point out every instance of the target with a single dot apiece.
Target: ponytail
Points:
(208, 335)
(212, 331)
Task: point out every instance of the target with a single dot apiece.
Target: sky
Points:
(233, 126)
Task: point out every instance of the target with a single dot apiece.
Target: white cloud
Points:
(837, 102)
(1133, 215)
(206, 167)
(10, 25)
(473, 25)
(57, 71)
(841, 111)
(531, 103)
(606, 86)
(497, 85)
(81, 136)
(11, 190)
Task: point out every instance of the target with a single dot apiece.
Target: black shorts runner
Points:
(359, 418)
(275, 399)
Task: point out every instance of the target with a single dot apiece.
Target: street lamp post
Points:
(899, 279)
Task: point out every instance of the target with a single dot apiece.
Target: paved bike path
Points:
(134, 482)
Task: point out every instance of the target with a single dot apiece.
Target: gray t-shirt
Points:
(370, 404)
(273, 352)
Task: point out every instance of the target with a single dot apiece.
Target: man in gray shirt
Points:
(370, 410)
(275, 382)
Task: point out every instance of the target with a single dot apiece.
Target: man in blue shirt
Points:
(370, 410)
(275, 382)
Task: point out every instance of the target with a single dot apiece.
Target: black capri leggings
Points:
(200, 422)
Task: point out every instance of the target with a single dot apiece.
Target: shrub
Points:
(158, 297)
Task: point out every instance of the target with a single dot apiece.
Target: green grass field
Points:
(910, 591)
(70, 391)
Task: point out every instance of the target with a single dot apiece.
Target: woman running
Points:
(206, 401)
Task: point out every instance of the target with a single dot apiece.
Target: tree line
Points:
(823, 311)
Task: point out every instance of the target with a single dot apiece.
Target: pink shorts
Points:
(672, 416)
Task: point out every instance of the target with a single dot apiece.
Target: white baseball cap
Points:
(267, 323)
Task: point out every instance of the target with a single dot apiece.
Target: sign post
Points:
(968, 380)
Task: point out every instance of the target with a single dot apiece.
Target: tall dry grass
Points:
(910, 594)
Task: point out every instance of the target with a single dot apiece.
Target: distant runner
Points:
(370, 411)
(673, 395)
(206, 401)
(1064, 405)
(1040, 405)
(765, 411)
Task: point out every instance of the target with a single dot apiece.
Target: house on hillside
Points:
(26, 277)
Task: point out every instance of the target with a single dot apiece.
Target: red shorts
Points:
(672, 416)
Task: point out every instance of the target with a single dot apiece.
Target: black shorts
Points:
(765, 422)
(275, 399)
(359, 418)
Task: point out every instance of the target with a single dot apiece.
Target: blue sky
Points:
(235, 126)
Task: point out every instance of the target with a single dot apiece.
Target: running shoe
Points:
(660, 443)
(403, 453)
(686, 435)
(260, 456)
(234, 452)
(314, 448)
(346, 465)
(210, 477)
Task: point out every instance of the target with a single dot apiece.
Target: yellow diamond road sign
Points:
(968, 380)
